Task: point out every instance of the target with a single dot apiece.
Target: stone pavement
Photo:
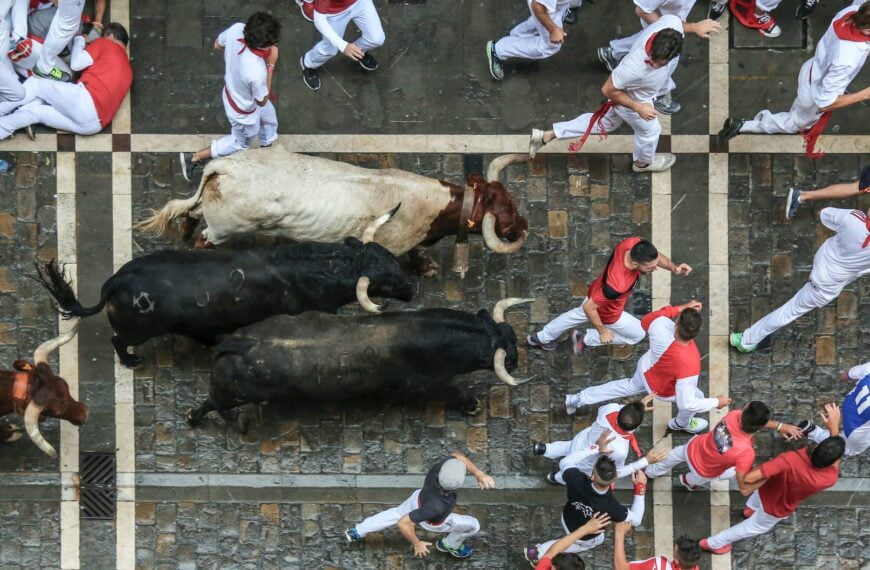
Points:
(280, 496)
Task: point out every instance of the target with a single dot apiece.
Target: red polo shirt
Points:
(619, 278)
(791, 478)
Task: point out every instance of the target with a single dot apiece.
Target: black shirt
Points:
(584, 501)
(434, 504)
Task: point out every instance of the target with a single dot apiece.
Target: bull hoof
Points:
(474, 408)
(192, 420)
(132, 361)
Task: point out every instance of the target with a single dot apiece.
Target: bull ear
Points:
(22, 366)
(351, 241)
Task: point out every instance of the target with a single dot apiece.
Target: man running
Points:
(687, 553)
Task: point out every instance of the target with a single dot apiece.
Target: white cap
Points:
(451, 475)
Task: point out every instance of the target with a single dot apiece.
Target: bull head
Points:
(500, 218)
(500, 353)
(362, 285)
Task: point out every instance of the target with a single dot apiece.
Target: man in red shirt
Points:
(783, 483)
(84, 107)
(725, 451)
(687, 554)
(605, 300)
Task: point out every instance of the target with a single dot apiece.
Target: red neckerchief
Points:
(648, 48)
(264, 53)
(863, 217)
(845, 30)
(597, 117)
(632, 441)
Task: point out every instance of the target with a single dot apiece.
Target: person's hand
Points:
(622, 528)
(596, 524)
(683, 269)
(484, 481)
(603, 441)
(655, 456)
(421, 549)
(646, 111)
(99, 25)
(831, 417)
(705, 28)
(605, 336)
(558, 36)
(273, 55)
(693, 304)
(639, 476)
(723, 402)
(790, 432)
(353, 52)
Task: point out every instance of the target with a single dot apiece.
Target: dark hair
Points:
(755, 416)
(828, 452)
(667, 45)
(117, 31)
(688, 551)
(689, 323)
(861, 18)
(643, 252)
(630, 416)
(262, 30)
(605, 469)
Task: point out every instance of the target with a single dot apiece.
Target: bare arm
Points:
(788, 431)
(99, 12)
(620, 97)
(540, 12)
(484, 481)
(406, 527)
(848, 99)
(591, 310)
(620, 561)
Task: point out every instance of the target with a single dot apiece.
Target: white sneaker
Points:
(572, 402)
(536, 141)
(697, 425)
(660, 163)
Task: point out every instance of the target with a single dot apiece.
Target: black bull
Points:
(210, 293)
(315, 356)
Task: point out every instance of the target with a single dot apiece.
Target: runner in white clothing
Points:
(10, 88)
(839, 57)
(250, 53)
(649, 12)
(856, 413)
(64, 27)
(639, 78)
(843, 258)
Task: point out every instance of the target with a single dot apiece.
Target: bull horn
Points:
(43, 350)
(500, 369)
(31, 424)
(369, 233)
(493, 242)
(362, 295)
(505, 304)
(498, 163)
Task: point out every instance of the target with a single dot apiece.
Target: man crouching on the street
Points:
(432, 508)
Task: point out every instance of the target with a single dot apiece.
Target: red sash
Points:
(597, 117)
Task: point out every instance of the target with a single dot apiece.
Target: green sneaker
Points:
(736, 340)
(54, 73)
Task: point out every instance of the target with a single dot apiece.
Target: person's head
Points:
(828, 452)
(754, 417)
(688, 324)
(861, 18)
(451, 475)
(687, 552)
(117, 31)
(604, 472)
(630, 416)
(667, 45)
(262, 30)
(644, 256)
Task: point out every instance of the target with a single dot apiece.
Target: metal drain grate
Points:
(98, 491)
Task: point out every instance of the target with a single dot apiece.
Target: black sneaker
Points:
(807, 427)
(717, 9)
(570, 16)
(310, 75)
(551, 478)
(730, 129)
(188, 167)
(368, 62)
(495, 68)
(792, 203)
(539, 448)
(806, 8)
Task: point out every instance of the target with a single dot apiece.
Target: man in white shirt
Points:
(331, 18)
(631, 89)
(839, 57)
(649, 12)
(250, 53)
(843, 258)
(10, 88)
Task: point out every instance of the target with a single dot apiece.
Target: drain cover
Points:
(98, 491)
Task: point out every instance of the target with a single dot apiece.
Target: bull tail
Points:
(159, 220)
(53, 278)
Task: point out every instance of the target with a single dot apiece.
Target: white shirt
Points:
(245, 76)
(635, 76)
(619, 447)
(836, 62)
(843, 257)
(678, 8)
(550, 5)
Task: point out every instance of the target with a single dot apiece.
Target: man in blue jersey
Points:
(856, 413)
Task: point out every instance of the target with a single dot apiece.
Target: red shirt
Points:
(658, 563)
(723, 447)
(545, 563)
(791, 478)
(662, 370)
(332, 6)
(619, 278)
(107, 79)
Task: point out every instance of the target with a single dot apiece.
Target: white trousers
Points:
(807, 298)
(803, 113)
(767, 5)
(62, 106)
(626, 330)
(63, 29)
(857, 442)
(457, 527)
(758, 523)
(577, 547)
(240, 137)
(679, 455)
(626, 387)
(530, 39)
(365, 16)
(646, 133)
(10, 86)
